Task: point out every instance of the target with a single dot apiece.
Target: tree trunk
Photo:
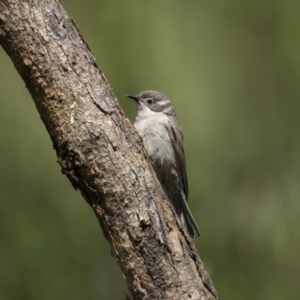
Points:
(101, 153)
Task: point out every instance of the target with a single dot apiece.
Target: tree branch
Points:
(101, 153)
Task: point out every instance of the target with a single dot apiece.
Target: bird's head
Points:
(152, 102)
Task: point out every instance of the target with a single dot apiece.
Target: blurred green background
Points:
(232, 70)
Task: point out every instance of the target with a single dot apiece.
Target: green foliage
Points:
(232, 69)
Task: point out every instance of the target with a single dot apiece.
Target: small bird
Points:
(162, 136)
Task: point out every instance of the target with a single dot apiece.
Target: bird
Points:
(162, 136)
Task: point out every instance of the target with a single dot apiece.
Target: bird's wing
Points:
(176, 137)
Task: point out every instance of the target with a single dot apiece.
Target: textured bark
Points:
(101, 153)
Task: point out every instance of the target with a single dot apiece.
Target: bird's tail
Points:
(188, 220)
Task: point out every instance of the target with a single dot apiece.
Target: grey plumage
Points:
(157, 124)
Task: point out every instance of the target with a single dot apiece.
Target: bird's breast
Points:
(157, 142)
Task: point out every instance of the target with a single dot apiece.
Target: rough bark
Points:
(101, 153)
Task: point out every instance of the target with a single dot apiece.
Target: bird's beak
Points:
(134, 97)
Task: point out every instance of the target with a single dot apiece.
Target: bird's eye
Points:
(149, 101)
